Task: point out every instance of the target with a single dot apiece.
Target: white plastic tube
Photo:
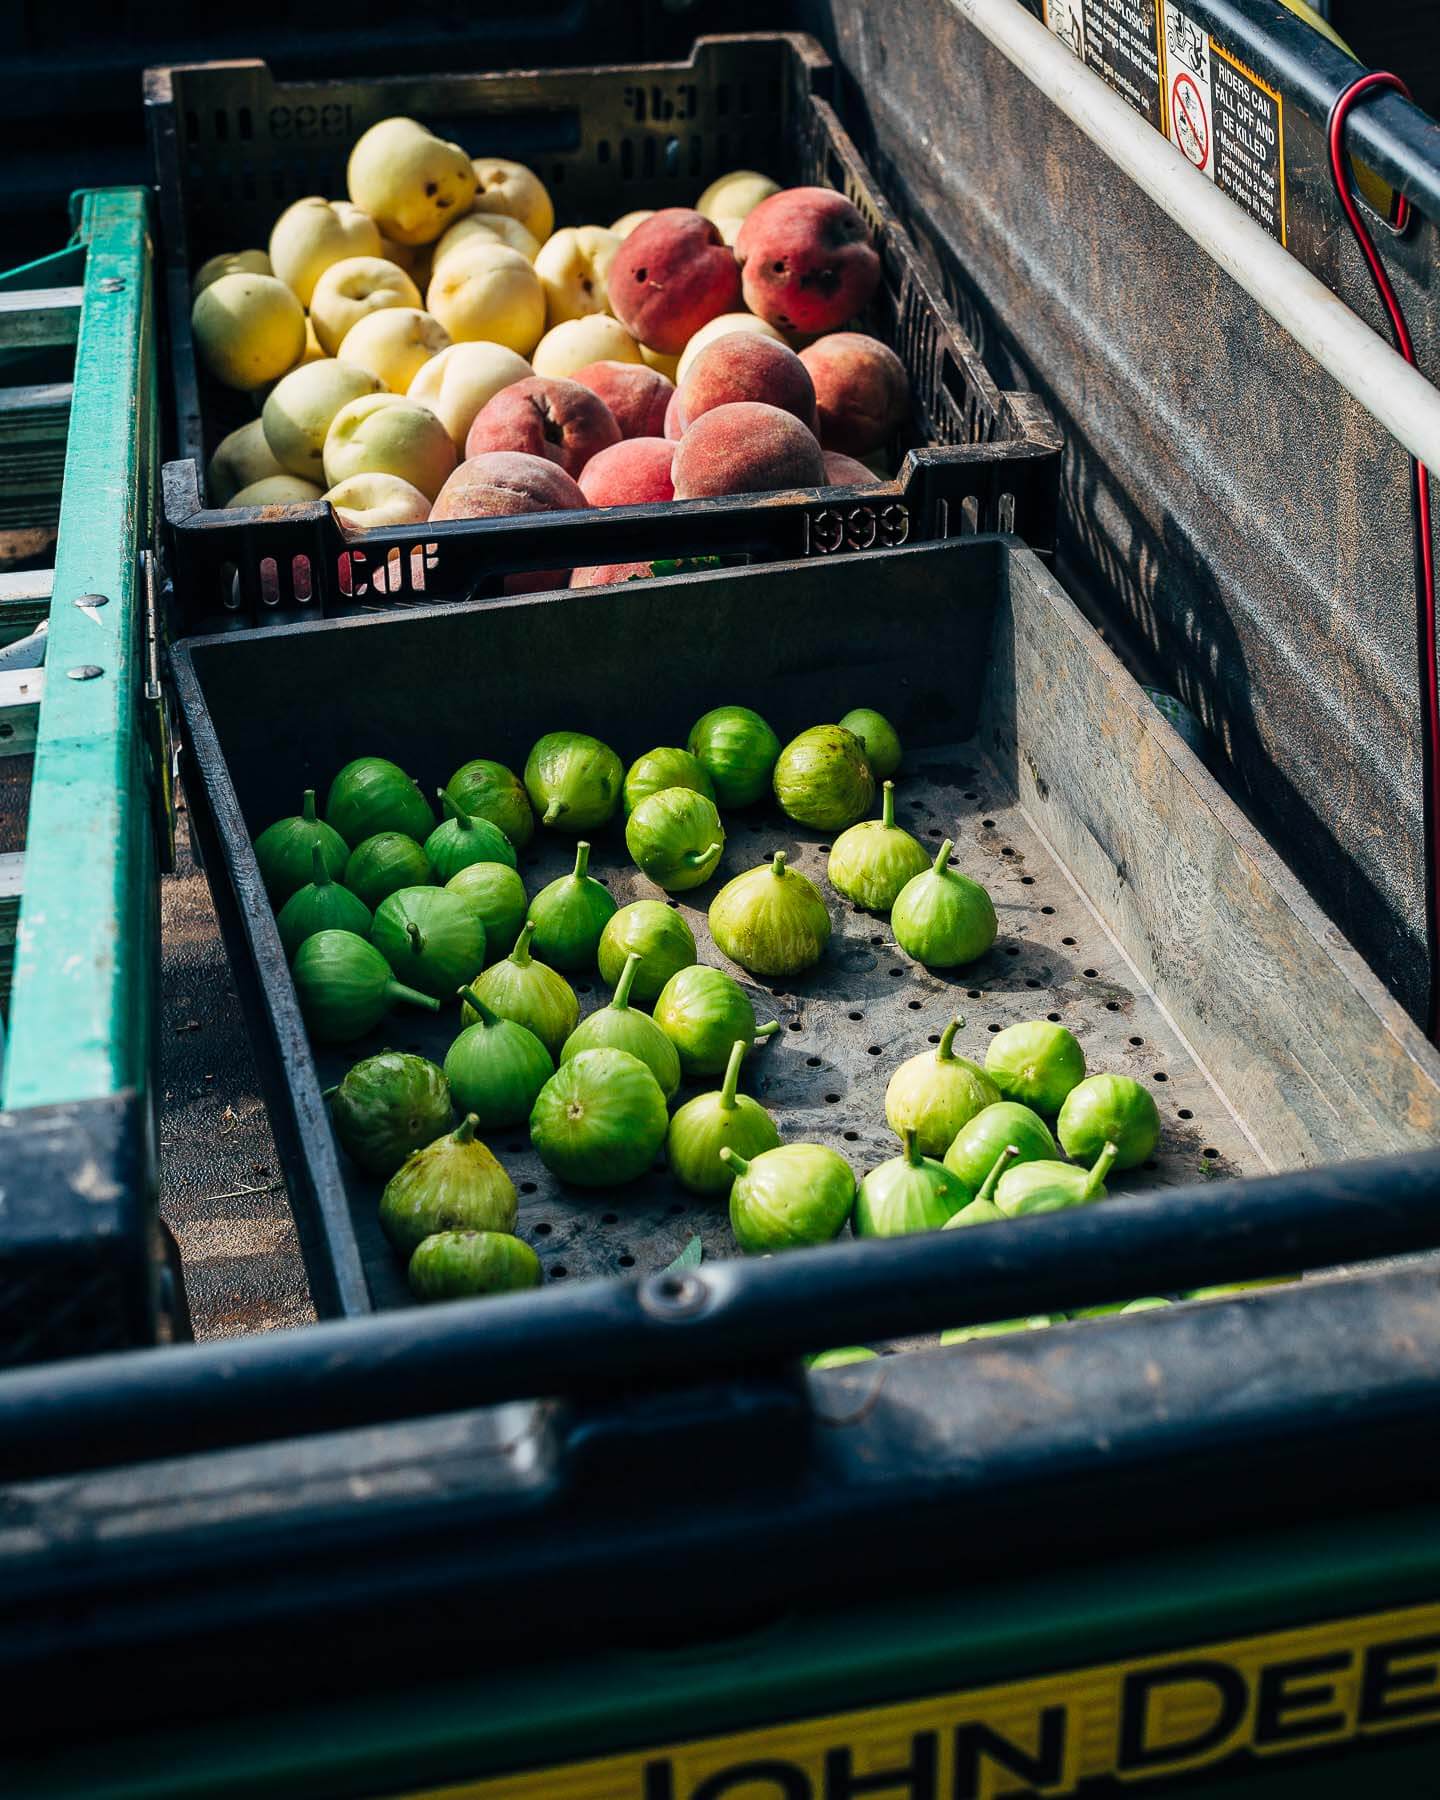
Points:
(1400, 398)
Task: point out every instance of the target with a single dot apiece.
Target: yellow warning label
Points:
(1143, 1720)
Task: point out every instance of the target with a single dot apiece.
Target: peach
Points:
(275, 490)
(248, 329)
(394, 345)
(844, 471)
(720, 327)
(604, 574)
(673, 428)
(634, 472)
(352, 288)
(486, 293)
(627, 222)
(742, 366)
(657, 359)
(366, 501)
(861, 388)
(240, 459)
(457, 383)
(671, 276)
(315, 232)
(488, 228)
(508, 187)
(637, 396)
(746, 448)
(806, 260)
(386, 434)
(574, 270)
(410, 182)
(735, 196)
(502, 483)
(230, 262)
(560, 421)
(577, 343)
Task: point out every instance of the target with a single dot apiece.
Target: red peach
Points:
(501, 483)
(674, 419)
(636, 394)
(861, 388)
(672, 275)
(634, 472)
(603, 574)
(806, 260)
(844, 471)
(744, 366)
(544, 416)
(746, 448)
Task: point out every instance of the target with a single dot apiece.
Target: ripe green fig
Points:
(909, 1193)
(822, 778)
(488, 790)
(345, 987)
(600, 1119)
(453, 1184)
(1042, 1187)
(1036, 1063)
(569, 916)
(872, 861)
(982, 1210)
(530, 993)
(771, 920)
(322, 906)
(657, 770)
(387, 1106)
(936, 1093)
(962, 1334)
(737, 750)
(620, 1026)
(462, 839)
(373, 794)
(663, 941)
(496, 892)
(1109, 1109)
(703, 1011)
(573, 780)
(839, 1359)
(943, 918)
(878, 738)
(382, 865)
(786, 1198)
(978, 1142)
(676, 838)
(712, 1122)
(283, 851)
(459, 1265)
(495, 1067)
(430, 938)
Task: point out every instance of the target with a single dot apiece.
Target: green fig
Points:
(387, 1106)
(1148, 1303)
(530, 993)
(982, 1210)
(786, 1198)
(461, 839)
(453, 1184)
(980, 1140)
(431, 939)
(1109, 1109)
(943, 918)
(1225, 1289)
(620, 1026)
(345, 987)
(322, 906)
(822, 778)
(703, 1011)
(657, 933)
(840, 1359)
(569, 916)
(657, 770)
(372, 794)
(676, 838)
(495, 1067)
(712, 1122)
(936, 1093)
(383, 864)
(871, 862)
(488, 790)
(600, 1119)
(771, 920)
(962, 1334)
(1043, 1187)
(573, 780)
(496, 892)
(459, 1265)
(909, 1193)
(283, 851)
(737, 750)
(878, 738)
(1036, 1063)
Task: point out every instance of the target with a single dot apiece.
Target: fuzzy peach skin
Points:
(806, 260)
(501, 484)
(844, 471)
(636, 395)
(746, 448)
(605, 574)
(861, 388)
(561, 421)
(634, 472)
(672, 275)
(718, 327)
(743, 366)
(457, 383)
(674, 428)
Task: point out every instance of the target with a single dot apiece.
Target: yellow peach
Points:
(366, 501)
(350, 289)
(627, 222)
(488, 293)
(314, 233)
(412, 183)
(386, 434)
(248, 329)
(457, 383)
(242, 457)
(574, 270)
(736, 195)
(301, 406)
(495, 228)
(578, 342)
(394, 344)
(657, 359)
(276, 490)
(511, 188)
(229, 262)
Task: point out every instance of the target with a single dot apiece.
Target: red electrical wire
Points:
(1358, 90)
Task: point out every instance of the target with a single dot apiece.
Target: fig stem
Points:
(946, 1051)
(887, 805)
(909, 1149)
(307, 807)
(326, 1093)
(731, 1082)
(397, 990)
(553, 811)
(319, 869)
(464, 1132)
(942, 856)
(478, 1006)
(452, 809)
(777, 866)
(765, 1031)
(737, 1163)
(620, 999)
(416, 937)
(696, 857)
(1001, 1164)
(582, 860)
(1104, 1162)
(520, 955)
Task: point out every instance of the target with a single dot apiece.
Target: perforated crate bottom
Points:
(847, 1024)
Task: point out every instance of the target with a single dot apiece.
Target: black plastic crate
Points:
(233, 146)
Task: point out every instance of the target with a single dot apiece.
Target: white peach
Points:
(717, 328)
(366, 501)
(387, 434)
(488, 293)
(394, 345)
(350, 289)
(229, 262)
(457, 383)
(301, 406)
(314, 233)
(574, 270)
(412, 183)
(276, 490)
(242, 457)
(248, 329)
(577, 343)
(493, 228)
(508, 187)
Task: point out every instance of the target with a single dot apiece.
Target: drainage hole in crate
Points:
(1054, 1018)
(1091, 974)
(1210, 1152)
(914, 1005)
(1069, 941)
(989, 824)
(544, 1228)
(970, 794)
(1012, 949)
(897, 973)
(824, 849)
(851, 1137)
(1027, 881)
(795, 1025)
(1005, 850)
(934, 1038)
(674, 903)
(627, 1261)
(1031, 982)
(933, 832)
(528, 1187)
(877, 940)
(832, 1099)
(1137, 1040)
(812, 1062)
(1160, 1075)
(675, 1208)
(1184, 1113)
(1048, 909)
(855, 1015)
(1112, 1006)
(559, 1272)
(992, 1027)
(609, 1218)
(972, 993)
(874, 1050)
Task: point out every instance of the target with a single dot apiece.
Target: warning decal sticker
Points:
(1120, 41)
